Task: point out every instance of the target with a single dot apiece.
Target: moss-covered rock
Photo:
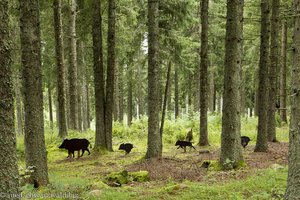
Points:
(141, 176)
(119, 178)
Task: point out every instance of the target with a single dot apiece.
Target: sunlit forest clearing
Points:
(177, 175)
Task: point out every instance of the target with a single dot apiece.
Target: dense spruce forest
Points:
(157, 99)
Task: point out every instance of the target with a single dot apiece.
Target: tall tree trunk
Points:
(283, 68)
(293, 184)
(261, 143)
(109, 101)
(100, 138)
(60, 70)
(203, 140)
(35, 150)
(50, 105)
(73, 79)
(211, 81)
(241, 51)
(230, 137)
(165, 103)
(80, 77)
(273, 71)
(154, 139)
(9, 175)
(176, 91)
(19, 109)
(129, 96)
(121, 94)
(116, 94)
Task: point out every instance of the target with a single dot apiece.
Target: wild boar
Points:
(244, 141)
(126, 147)
(184, 144)
(75, 144)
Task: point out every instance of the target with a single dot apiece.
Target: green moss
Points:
(117, 178)
(141, 176)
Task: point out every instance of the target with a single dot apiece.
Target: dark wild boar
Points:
(244, 141)
(75, 144)
(126, 147)
(184, 144)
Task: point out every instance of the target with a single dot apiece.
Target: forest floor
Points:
(177, 175)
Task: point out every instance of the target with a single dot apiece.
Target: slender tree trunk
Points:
(80, 77)
(9, 175)
(116, 95)
(273, 71)
(261, 143)
(231, 153)
(88, 113)
(176, 91)
(109, 101)
(50, 105)
(60, 70)
(121, 94)
(293, 184)
(100, 140)
(154, 104)
(165, 103)
(283, 68)
(35, 150)
(129, 97)
(19, 109)
(211, 80)
(73, 79)
(203, 140)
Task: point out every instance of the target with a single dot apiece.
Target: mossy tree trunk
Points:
(273, 71)
(203, 140)
(176, 92)
(9, 175)
(100, 140)
(293, 183)
(35, 150)
(60, 70)
(154, 140)
(231, 154)
(263, 92)
(129, 94)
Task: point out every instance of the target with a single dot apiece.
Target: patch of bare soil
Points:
(188, 165)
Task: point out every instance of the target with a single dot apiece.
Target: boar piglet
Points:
(75, 144)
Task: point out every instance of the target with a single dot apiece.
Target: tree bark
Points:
(293, 184)
(73, 80)
(100, 138)
(283, 69)
(261, 143)
(273, 71)
(35, 150)
(203, 140)
(154, 104)
(80, 77)
(116, 94)
(60, 70)
(109, 100)
(231, 154)
(9, 175)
